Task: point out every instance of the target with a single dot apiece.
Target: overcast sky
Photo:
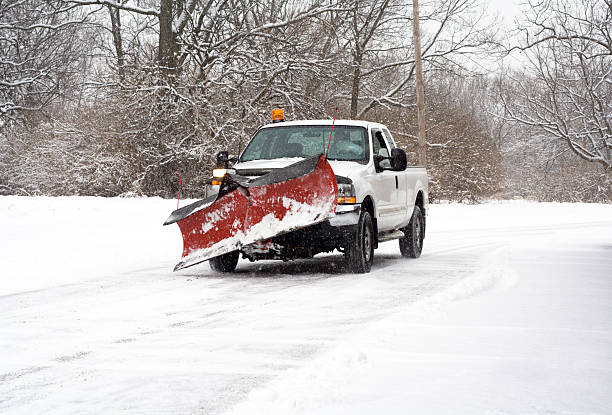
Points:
(507, 9)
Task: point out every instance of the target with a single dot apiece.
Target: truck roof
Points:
(356, 123)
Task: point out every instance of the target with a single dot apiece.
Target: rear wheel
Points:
(359, 253)
(225, 263)
(412, 244)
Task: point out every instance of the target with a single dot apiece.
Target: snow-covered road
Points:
(507, 311)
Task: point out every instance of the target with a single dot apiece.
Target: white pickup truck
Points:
(379, 197)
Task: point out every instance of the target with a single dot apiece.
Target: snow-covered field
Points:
(508, 311)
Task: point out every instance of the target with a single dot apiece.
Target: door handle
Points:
(396, 183)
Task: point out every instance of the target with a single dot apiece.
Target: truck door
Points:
(386, 185)
(405, 192)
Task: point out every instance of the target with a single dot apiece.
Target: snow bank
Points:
(53, 241)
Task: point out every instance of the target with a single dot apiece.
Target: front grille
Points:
(253, 172)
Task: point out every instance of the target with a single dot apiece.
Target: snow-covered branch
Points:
(567, 95)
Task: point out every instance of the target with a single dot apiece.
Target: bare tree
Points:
(568, 91)
(368, 18)
(40, 54)
(382, 57)
(464, 159)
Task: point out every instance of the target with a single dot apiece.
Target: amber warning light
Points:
(278, 115)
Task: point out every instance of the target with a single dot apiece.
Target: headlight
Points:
(219, 173)
(346, 193)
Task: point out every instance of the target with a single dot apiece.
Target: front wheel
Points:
(225, 263)
(359, 253)
(411, 245)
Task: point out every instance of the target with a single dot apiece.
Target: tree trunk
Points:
(117, 40)
(355, 88)
(167, 39)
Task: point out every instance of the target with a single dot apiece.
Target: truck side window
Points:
(389, 138)
(380, 148)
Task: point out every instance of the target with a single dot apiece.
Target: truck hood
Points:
(350, 169)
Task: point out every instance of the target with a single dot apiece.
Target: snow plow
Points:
(249, 212)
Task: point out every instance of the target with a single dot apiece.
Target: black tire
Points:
(412, 244)
(225, 263)
(359, 253)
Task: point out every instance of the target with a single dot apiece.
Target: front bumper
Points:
(346, 215)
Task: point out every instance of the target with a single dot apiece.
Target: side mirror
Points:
(222, 159)
(399, 162)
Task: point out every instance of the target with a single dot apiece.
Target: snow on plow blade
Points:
(246, 211)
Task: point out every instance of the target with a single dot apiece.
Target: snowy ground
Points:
(508, 311)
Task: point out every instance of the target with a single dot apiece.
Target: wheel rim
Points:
(417, 234)
(367, 244)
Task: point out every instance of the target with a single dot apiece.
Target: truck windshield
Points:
(348, 143)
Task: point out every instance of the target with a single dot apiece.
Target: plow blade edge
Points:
(246, 211)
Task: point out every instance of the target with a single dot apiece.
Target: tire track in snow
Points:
(236, 322)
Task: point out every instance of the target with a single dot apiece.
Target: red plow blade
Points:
(246, 211)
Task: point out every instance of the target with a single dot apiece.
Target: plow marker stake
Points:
(178, 199)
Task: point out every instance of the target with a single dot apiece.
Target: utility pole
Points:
(416, 35)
